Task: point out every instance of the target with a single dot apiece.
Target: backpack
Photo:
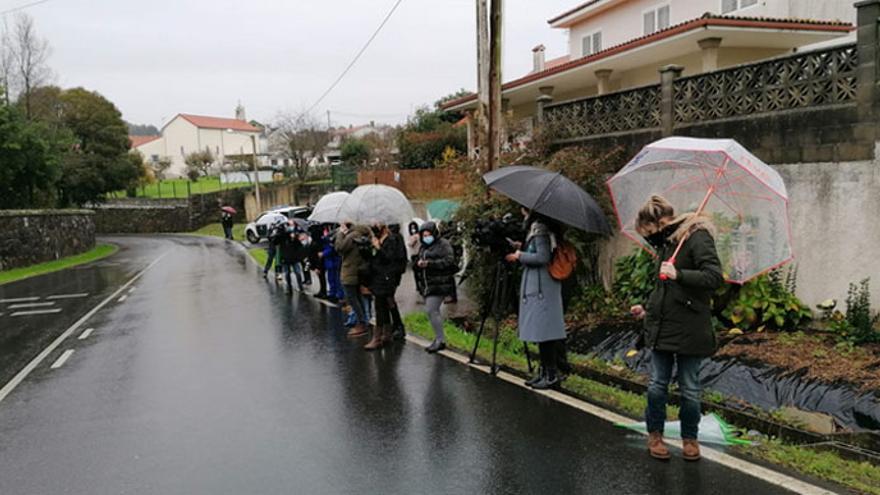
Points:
(564, 261)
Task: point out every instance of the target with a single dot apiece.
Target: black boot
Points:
(549, 380)
(535, 379)
(437, 346)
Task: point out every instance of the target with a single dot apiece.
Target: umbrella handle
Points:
(663, 276)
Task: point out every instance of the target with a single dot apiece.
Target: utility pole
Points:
(495, 27)
(328, 120)
(481, 114)
(256, 175)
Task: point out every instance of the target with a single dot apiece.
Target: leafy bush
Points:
(634, 277)
(858, 325)
(764, 303)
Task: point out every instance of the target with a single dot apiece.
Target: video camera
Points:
(498, 234)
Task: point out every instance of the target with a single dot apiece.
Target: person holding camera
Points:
(315, 258)
(541, 318)
(276, 230)
(293, 252)
(348, 238)
(678, 317)
(388, 254)
(435, 273)
(398, 331)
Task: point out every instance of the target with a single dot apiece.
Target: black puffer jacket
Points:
(292, 250)
(387, 265)
(438, 278)
(679, 316)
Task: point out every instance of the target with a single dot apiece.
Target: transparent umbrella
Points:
(376, 203)
(327, 208)
(745, 198)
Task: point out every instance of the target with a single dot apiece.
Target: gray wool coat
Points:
(540, 303)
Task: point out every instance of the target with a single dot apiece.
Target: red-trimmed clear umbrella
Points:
(745, 198)
(229, 209)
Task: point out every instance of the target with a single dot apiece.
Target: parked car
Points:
(258, 229)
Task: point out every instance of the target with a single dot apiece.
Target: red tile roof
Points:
(218, 123)
(707, 20)
(556, 62)
(141, 140)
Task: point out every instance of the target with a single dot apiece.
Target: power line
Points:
(356, 57)
(22, 7)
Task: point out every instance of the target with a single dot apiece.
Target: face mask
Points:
(376, 231)
(428, 240)
(659, 238)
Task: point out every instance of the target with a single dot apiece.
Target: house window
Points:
(656, 19)
(154, 158)
(591, 43)
(274, 162)
(728, 6)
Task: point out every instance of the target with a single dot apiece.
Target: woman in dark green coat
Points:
(678, 317)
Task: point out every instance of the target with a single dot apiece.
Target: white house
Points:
(186, 133)
(615, 45)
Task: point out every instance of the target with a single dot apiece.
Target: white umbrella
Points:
(327, 208)
(377, 203)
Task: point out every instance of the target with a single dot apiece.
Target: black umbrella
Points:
(551, 194)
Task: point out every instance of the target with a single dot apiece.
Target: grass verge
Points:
(98, 252)
(863, 477)
(177, 188)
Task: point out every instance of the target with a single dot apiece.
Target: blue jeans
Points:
(353, 296)
(295, 268)
(270, 258)
(688, 384)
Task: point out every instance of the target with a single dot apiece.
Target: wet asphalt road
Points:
(207, 379)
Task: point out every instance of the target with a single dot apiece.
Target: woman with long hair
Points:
(678, 317)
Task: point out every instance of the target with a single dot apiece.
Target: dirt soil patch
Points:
(819, 356)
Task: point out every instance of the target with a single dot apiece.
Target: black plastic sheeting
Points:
(762, 386)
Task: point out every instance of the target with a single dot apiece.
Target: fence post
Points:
(543, 99)
(668, 75)
(188, 188)
(160, 189)
(174, 189)
(867, 36)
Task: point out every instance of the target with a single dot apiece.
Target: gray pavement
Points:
(208, 379)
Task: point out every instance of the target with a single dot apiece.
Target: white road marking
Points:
(327, 303)
(63, 359)
(729, 461)
(18, 378)
(86, 333)
(36, 312)
(131, 290)
(19, 299)
(123, 298)
(31, 305)
(68, 296)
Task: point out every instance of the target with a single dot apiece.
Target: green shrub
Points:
(858, 326)
(764, 303)
(634, 277)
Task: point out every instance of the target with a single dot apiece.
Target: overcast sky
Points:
(157, 58)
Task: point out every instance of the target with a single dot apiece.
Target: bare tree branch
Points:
(30, 56)
(301, 138)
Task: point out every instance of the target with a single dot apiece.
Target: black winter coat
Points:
(292, 250)
(679, 312)
(387, 265)
(438, 278)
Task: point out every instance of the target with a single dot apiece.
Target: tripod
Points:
(497, 308)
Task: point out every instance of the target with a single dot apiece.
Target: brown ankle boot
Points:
(656, 447)
(386, 335)
(690, 450)
(357, 330)
(376, 340)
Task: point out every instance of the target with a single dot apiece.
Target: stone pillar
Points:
(506, 119)
(471, 134)
(603, 78)
(544, 99)
(867, 36)
(668, 75)
(709, 48)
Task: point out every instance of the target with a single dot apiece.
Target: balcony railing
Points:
(637, 108)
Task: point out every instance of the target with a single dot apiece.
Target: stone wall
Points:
(147, 216)
(28, 237)
(141, 219)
